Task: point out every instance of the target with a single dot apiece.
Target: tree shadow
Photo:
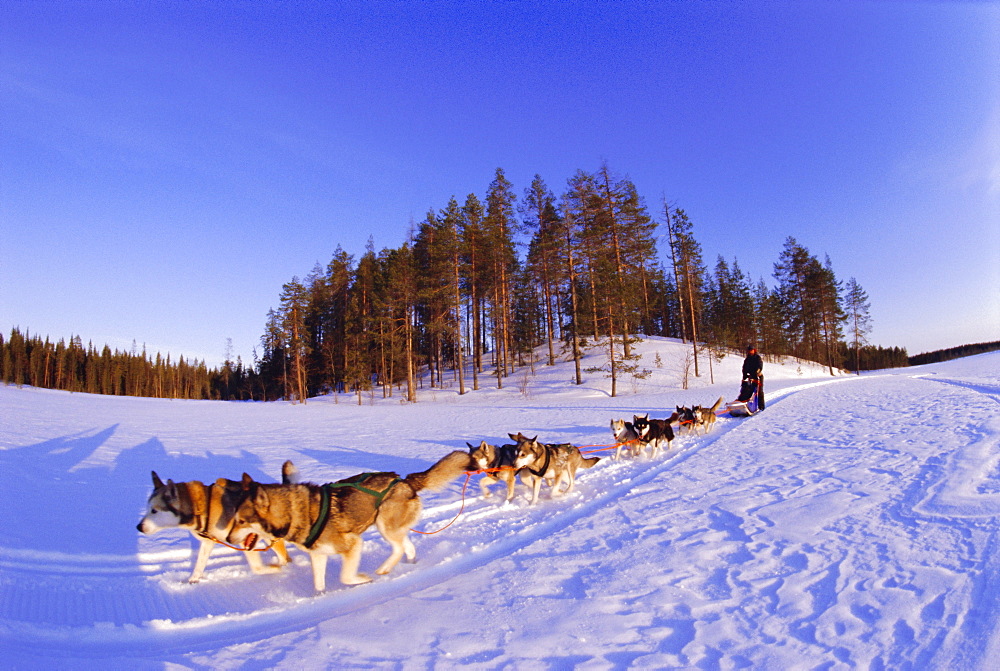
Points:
(54, 501)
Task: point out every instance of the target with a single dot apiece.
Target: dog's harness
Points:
(357, 483)
(201, 503)
(545, 466)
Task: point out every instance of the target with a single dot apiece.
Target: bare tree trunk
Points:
(677, 278)
(571, 270)
(411, 383)
(459, 357)
(694, 326)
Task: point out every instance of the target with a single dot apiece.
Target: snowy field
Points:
(853, 524)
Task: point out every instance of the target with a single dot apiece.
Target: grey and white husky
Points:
(497, 464)
(325, 520)
(626, 438)
(206, 511)
(554, 463)
(704, 417)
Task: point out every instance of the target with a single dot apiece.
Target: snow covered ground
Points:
(853, 524)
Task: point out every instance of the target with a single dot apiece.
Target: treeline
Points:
(480, 285)
(69, 366)
(954, 353)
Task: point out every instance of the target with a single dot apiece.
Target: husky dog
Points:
(207, 512)
(498, 464)
(555, 463)
(625, 437)
(705, 417)
(653, 432)
(329, 519)
(686, 418)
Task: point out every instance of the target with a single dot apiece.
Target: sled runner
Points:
(746, 404)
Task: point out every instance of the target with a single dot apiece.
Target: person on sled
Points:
(753, 371)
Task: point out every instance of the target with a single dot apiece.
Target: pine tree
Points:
(474, 261)
(541, 217)
(570, 229)
(499, 226)
(690, 273)
(795, 271)
(857, 307)
(294, 303)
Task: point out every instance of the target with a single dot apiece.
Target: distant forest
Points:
(480, 286)
(954, 353)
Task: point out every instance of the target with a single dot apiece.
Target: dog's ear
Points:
(515, 438)
(258, 499)
(171, 489)
(157, 483)
(484, 445)
(246, 481)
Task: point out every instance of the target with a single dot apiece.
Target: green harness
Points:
(357, 483)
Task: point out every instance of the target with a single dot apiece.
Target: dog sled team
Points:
(656, 434)
(325, 520)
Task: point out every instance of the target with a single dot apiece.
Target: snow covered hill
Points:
(852, 524)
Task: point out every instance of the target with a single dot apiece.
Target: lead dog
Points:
(555, 463)
(625, 437)
(329, 519)
(497, 464)
(207, 512)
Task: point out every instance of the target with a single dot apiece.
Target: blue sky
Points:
(166, 166)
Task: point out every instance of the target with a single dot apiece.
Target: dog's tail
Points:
(289, 474)
(440, 474)
(588, 462)
(717, 404)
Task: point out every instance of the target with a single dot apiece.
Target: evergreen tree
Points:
(690, 273)
(294, 304)
(857, 307)
(499, 228)
(542, 219)
(473, 265)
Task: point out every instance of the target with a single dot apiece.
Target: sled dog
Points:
(491, 457)
(626, 438)
(686, 418)
(653, 432)
(207, 512)
(329, 519)
(705, 417)
(555, 463)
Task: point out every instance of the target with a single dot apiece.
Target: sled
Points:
(746, 404)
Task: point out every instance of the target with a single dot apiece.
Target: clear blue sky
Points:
(166, 166)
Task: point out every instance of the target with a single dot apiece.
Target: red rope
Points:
(468, 476)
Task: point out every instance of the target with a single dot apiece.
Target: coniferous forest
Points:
(480, 286)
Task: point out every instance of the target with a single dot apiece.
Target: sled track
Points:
(145, 607)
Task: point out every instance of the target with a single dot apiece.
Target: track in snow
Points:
(135, 603)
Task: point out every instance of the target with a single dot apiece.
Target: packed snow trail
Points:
(850, 525)
(130, 610)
